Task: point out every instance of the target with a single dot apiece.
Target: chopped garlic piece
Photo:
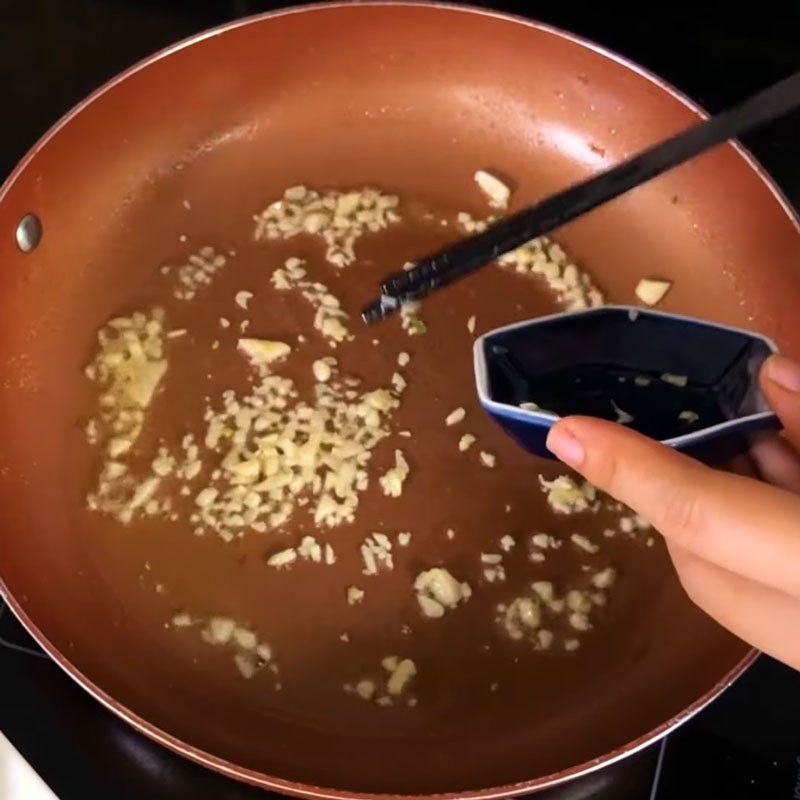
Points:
(365, 689)
(688, 416)
(507, 543)
(321, 370)
(409, 321)
(522, 617)
(566, 497)
(545, 590)
(580, 541)
(392, 481)
(206, 497)
(430, 607)
(437, 590)
(465, 442)
(310, 549)
(604, 579)
(339, 218)
(623, 417)
(487, 459)
(243, 298)
(471, 324)
(455, 416)
(376, 551)
(494, 572)
(578, 601)
(579, 621)
(544, 638)
(651, 292)
(403, 359)
(263, 351)
(282, 558)
(403, 538)
(545, 541)
(497, 191)
(676, 380)
(401, 673)
(354, 595)
(219, 630)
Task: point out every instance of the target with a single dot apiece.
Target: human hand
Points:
(734, 541)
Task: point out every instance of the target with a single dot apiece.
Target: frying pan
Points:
(412, 98)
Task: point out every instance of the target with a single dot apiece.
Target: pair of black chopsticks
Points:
(467, 255)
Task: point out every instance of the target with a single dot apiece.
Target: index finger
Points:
(740, 524)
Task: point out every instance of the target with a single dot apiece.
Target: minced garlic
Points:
(242, 298)
(455, 416)
(390, 687)
(262, 351)
(250, 654)
(283, 558)
(651, 292)
(354, 595)
(437, 591)
(277, 453)
(522, 617)
(410, 320)
(581, 542)
(507, 543)
(545, 258)
(497, 191)
(329, 318)
(340, 218)
(196, 273)
(465, 442)
(676, 380)
(127, 369)
(376, 553)
(567, 497)
(392, 481)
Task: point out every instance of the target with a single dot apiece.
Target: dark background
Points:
(54, 52)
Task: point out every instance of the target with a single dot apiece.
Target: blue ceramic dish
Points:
(583, 361)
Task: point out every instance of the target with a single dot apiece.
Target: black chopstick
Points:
(453, 262)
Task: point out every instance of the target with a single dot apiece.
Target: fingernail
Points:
(784, 372)
(564, 445)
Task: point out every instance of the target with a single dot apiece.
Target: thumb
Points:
(780, 382)
(742, 525)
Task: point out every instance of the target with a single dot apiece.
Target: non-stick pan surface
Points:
(413, 99)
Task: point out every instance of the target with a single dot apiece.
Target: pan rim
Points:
(299, 788)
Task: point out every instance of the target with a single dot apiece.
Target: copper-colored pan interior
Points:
(412, 99)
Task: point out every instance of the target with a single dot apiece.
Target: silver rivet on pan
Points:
(29, 233)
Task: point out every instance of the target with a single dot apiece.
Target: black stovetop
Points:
(53, 52)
